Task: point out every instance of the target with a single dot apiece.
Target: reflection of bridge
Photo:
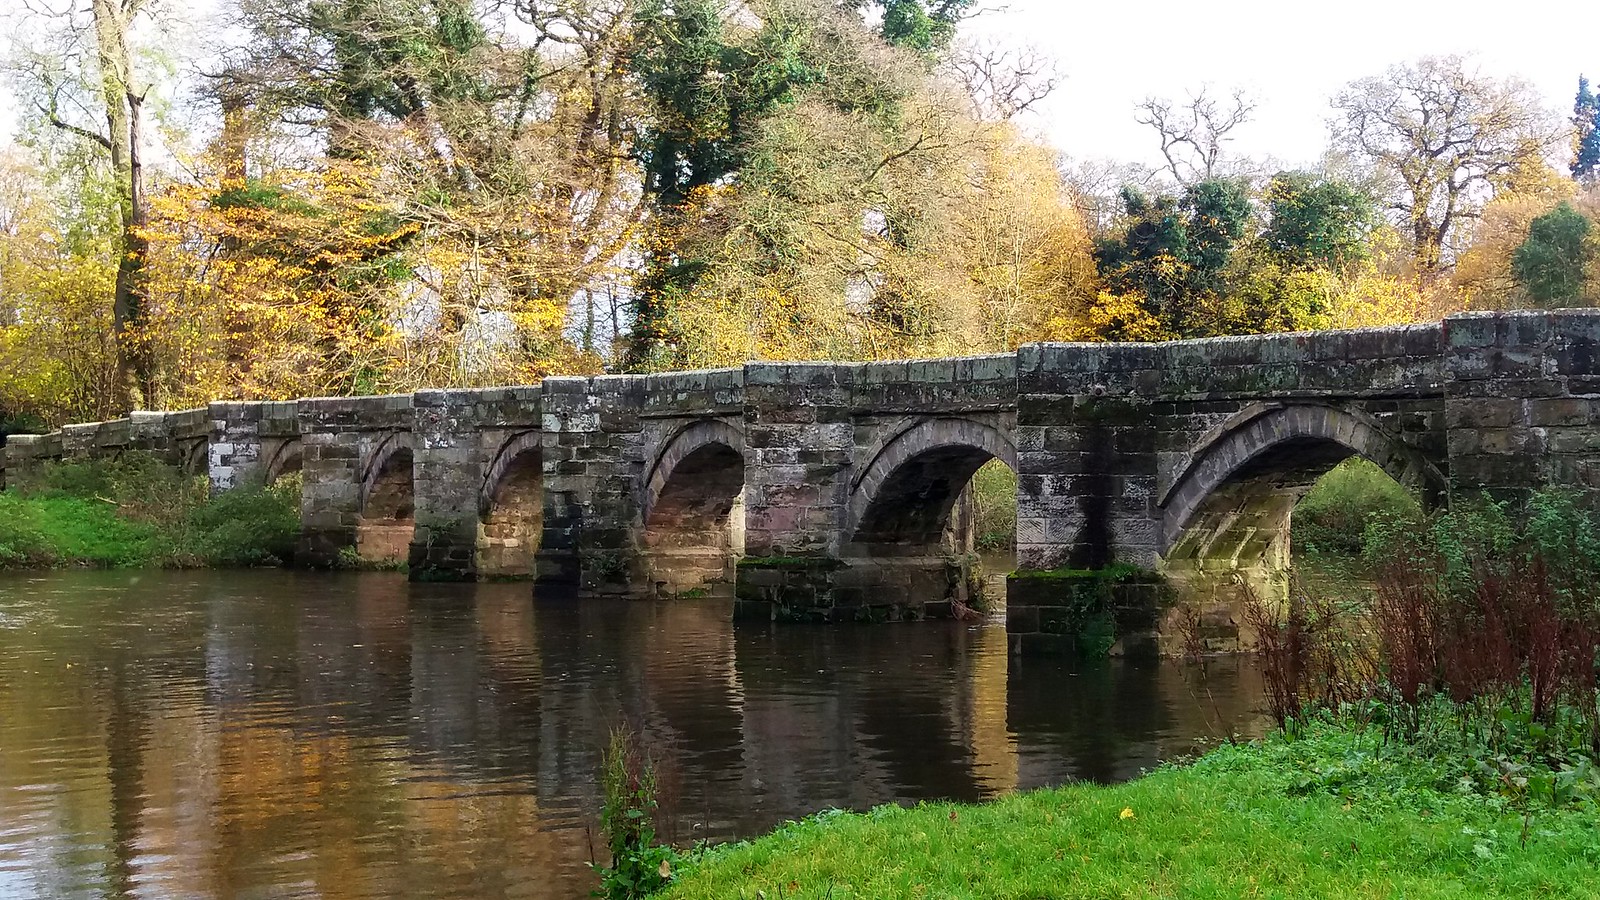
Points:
(835, 482)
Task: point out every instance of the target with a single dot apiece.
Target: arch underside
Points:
(910, 540)
(693, 534)
(387, 522)
(512, 517)
(1226, 526)
(286, 460)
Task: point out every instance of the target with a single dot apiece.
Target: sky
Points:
(1290, 57)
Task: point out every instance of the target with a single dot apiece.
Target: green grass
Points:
(1332, 814)
(137, 513)
(54, 531)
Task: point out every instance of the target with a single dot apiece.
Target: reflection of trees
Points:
(224, 734)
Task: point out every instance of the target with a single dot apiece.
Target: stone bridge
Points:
(832, 490)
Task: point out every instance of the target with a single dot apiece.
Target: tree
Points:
(84, 77)
(1442, 135)
(1482, 277)
(1174, 250)
(1315, 221)
(1193, 133)
(1550, 264)
(58, 359)
(509, 151)
(1585, 133)
(922, 25)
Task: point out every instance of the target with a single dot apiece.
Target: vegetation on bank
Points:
(1333, 516)
(1334, 809)
(994, 507)
(1440, 737)
(137, 512)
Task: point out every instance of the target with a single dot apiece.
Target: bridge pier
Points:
(356, 500)
(592, 463)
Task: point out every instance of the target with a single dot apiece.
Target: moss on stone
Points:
(789, 562)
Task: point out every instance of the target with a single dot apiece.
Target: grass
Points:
(49, 531)
(1332, 813)
(135, 513)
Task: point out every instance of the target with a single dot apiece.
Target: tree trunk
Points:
(123, 106)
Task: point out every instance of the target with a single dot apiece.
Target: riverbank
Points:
(1334, 812)
(136, 513)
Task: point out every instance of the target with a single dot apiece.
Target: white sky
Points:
(1291, 57)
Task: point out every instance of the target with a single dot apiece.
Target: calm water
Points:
(278, 734)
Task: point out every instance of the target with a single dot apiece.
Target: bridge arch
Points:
(285, 460)
(692, 500)
(511, 508)
(1229, 505)
(195, 457)
(907, 488)
(387, 521)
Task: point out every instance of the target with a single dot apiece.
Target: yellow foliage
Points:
(839, 245)
(57, 360)
(1122, 317)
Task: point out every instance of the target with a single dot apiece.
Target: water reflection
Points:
(283, 734)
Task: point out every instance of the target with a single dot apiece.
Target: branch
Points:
(51, 117)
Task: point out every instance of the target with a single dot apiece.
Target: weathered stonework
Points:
(838, 483)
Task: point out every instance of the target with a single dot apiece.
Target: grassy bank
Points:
(1332, 813)
(138, 513)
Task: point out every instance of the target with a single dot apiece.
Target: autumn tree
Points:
(81, 75)
(58, 358)
(1482, 277)
(872, 213)
(1443, 135)
(508, 153)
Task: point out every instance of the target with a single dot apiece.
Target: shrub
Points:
(639, 865)
(247, 526)
(994, 498)
(1333, 517)
(1480, 605)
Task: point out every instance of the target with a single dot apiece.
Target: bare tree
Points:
(1193, 133)
(1095, 188)
(1443, 136)
(1004, 82)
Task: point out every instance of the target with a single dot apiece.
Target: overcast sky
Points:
(1290, 57)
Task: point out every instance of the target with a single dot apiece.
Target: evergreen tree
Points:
(1315, 221)
(1586, 133)
(1550, 263)
(1175, 250)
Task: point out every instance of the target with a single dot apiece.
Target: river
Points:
(283, 734)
